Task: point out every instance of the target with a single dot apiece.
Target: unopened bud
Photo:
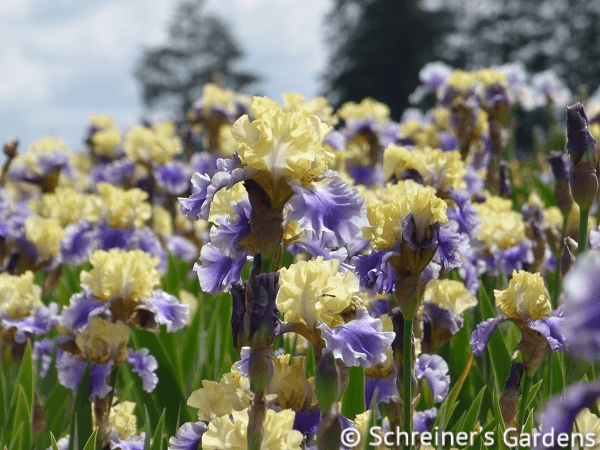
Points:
(10, 147)
(261, 367)
(329, 433)
(263, 312)
(561, 169)
(567, 257)
(534, 347)
(505, 187)
(327, 382)
(582, 151)
(237, 316)
(266, 220)
(580, 142)
(510, 394)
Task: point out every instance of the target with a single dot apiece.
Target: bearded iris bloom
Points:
(526, 303)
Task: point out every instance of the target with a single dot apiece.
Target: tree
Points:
(561, 35)
(378, 48)
(200, 49)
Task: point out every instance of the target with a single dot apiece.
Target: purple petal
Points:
(513, 258)
(217, 269)
(387, 389)
(451, 245)
(80, 241)
(144, 365)
(146, 240)
(188, 436)
(197, 206)
(331, 211)
(70, 370)
(307, 422)
(43, 350)
(242, 364)
(132, 443)
(435, 370)
(191, 206)
(424, 419)
(168, 310)
(582, 308)
(182, 248)
(552, 327)
(113, 237)
(115, 172)
(173, 178)
(233, 228)
(367, 175)
(442, 319)
(560, 412)
(42, 320)
(83, 308)
(358, 342)
(374, 272)
(481, 336)
(434, 74)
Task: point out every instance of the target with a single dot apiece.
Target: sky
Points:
(63, 60)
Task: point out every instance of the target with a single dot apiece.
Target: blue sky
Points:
(62, 60)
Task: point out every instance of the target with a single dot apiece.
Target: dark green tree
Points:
(200, 49)
(377, 48)
(562, 35)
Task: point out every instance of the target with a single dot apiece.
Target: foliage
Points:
(201, 48)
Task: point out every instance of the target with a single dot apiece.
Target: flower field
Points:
(287, 276)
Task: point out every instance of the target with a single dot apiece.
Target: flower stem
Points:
(407, 370)
(525, 385)
(583, 226)
(557, 274)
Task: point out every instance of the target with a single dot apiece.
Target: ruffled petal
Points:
(358, 342)
(70, 370)
(188, 436)
(217, 269)
(83, 308)
(481, 336)
(173, 178)
(80, 241)
(168, 310)
(330, 210)
(435, 370)
(559, 413)
(41, 321)
(424, 419)
(452, 245)
(144, 365)
(386, 388)
(553, 328)
(131, 443)
(374, 272)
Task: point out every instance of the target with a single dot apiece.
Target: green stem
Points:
(557, 274)
(407, 370)
(525, 385)
(583, 226)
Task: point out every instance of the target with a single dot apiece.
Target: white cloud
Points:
(284, 40)
(56, 59)
(14, 8)
(22, 80)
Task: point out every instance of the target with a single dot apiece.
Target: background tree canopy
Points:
(562, 35)
(377, 49)
(200, 48)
